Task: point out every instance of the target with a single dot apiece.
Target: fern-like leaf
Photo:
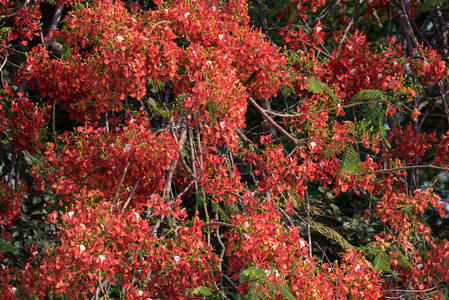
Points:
(232, 209)
(368, 95)
(382, 264)
(403, 261)
(431, 4)
(203, 290)
(224, 216)
(351, 161)
(314, 85)
(254, 276)
(332, 234)
(300, 204)
(284, 292)
(252, 273)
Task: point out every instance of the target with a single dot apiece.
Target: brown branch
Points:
(271, 121)
(18, 165)
(12, 166)
(444, 37)
(131, 195)
(10, 63)
(411, 291)
(270, 112)
(171, 170)
(1, 70)
(54, 23)
(245, 139)
(325, 12)
(187, 188)
(185, 166)
(120, 184)
(222, 245)
(193, 157)
(235, 194)
(309, 236)
(12, 49)
(8, 15)
(355, 12)
(410, 168)
(53, 121)
(262, 15)
(219, 224)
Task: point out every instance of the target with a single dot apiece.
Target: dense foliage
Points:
(224, 149)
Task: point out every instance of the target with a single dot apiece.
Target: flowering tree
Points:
(173, 150)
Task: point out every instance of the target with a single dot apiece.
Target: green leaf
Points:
(280, 5)
(403, 261)
(431, 4)
(154, 104)
(252, 273)
(284, 292)
(224, 216)
(37, 200)
(314, 85)
(332, 234)
(382, 264)
(368, 95)
(351, 161)
(203, 290)
(6, 247)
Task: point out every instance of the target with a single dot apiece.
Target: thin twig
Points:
(54, 23)
(410, 168)
(411, 291)
(272, 122)
(53, 123)
(1, 71)
(263, 20)
(222, 245)
(219, 224)
(12, 49)
(356, 10)
(10, 63)
(187, 188)
(309, 236)
(8, 15)
(12, 165)
(171, 170)
(131, 195)
(120, 184)
(444, 39)
(18, 164)
(193, 157)
(270, 112)
(325, 12)
(185, 166)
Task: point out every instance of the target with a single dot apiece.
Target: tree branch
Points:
(120, 184)
(272, 122)
(219, 224)
(410, 168)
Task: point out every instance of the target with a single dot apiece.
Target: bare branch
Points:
(219, 224)
(410, 168)
(120, 184)
(131, 195)
(271, 121)
(356, 10)
(309, 236)
(169, 176)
